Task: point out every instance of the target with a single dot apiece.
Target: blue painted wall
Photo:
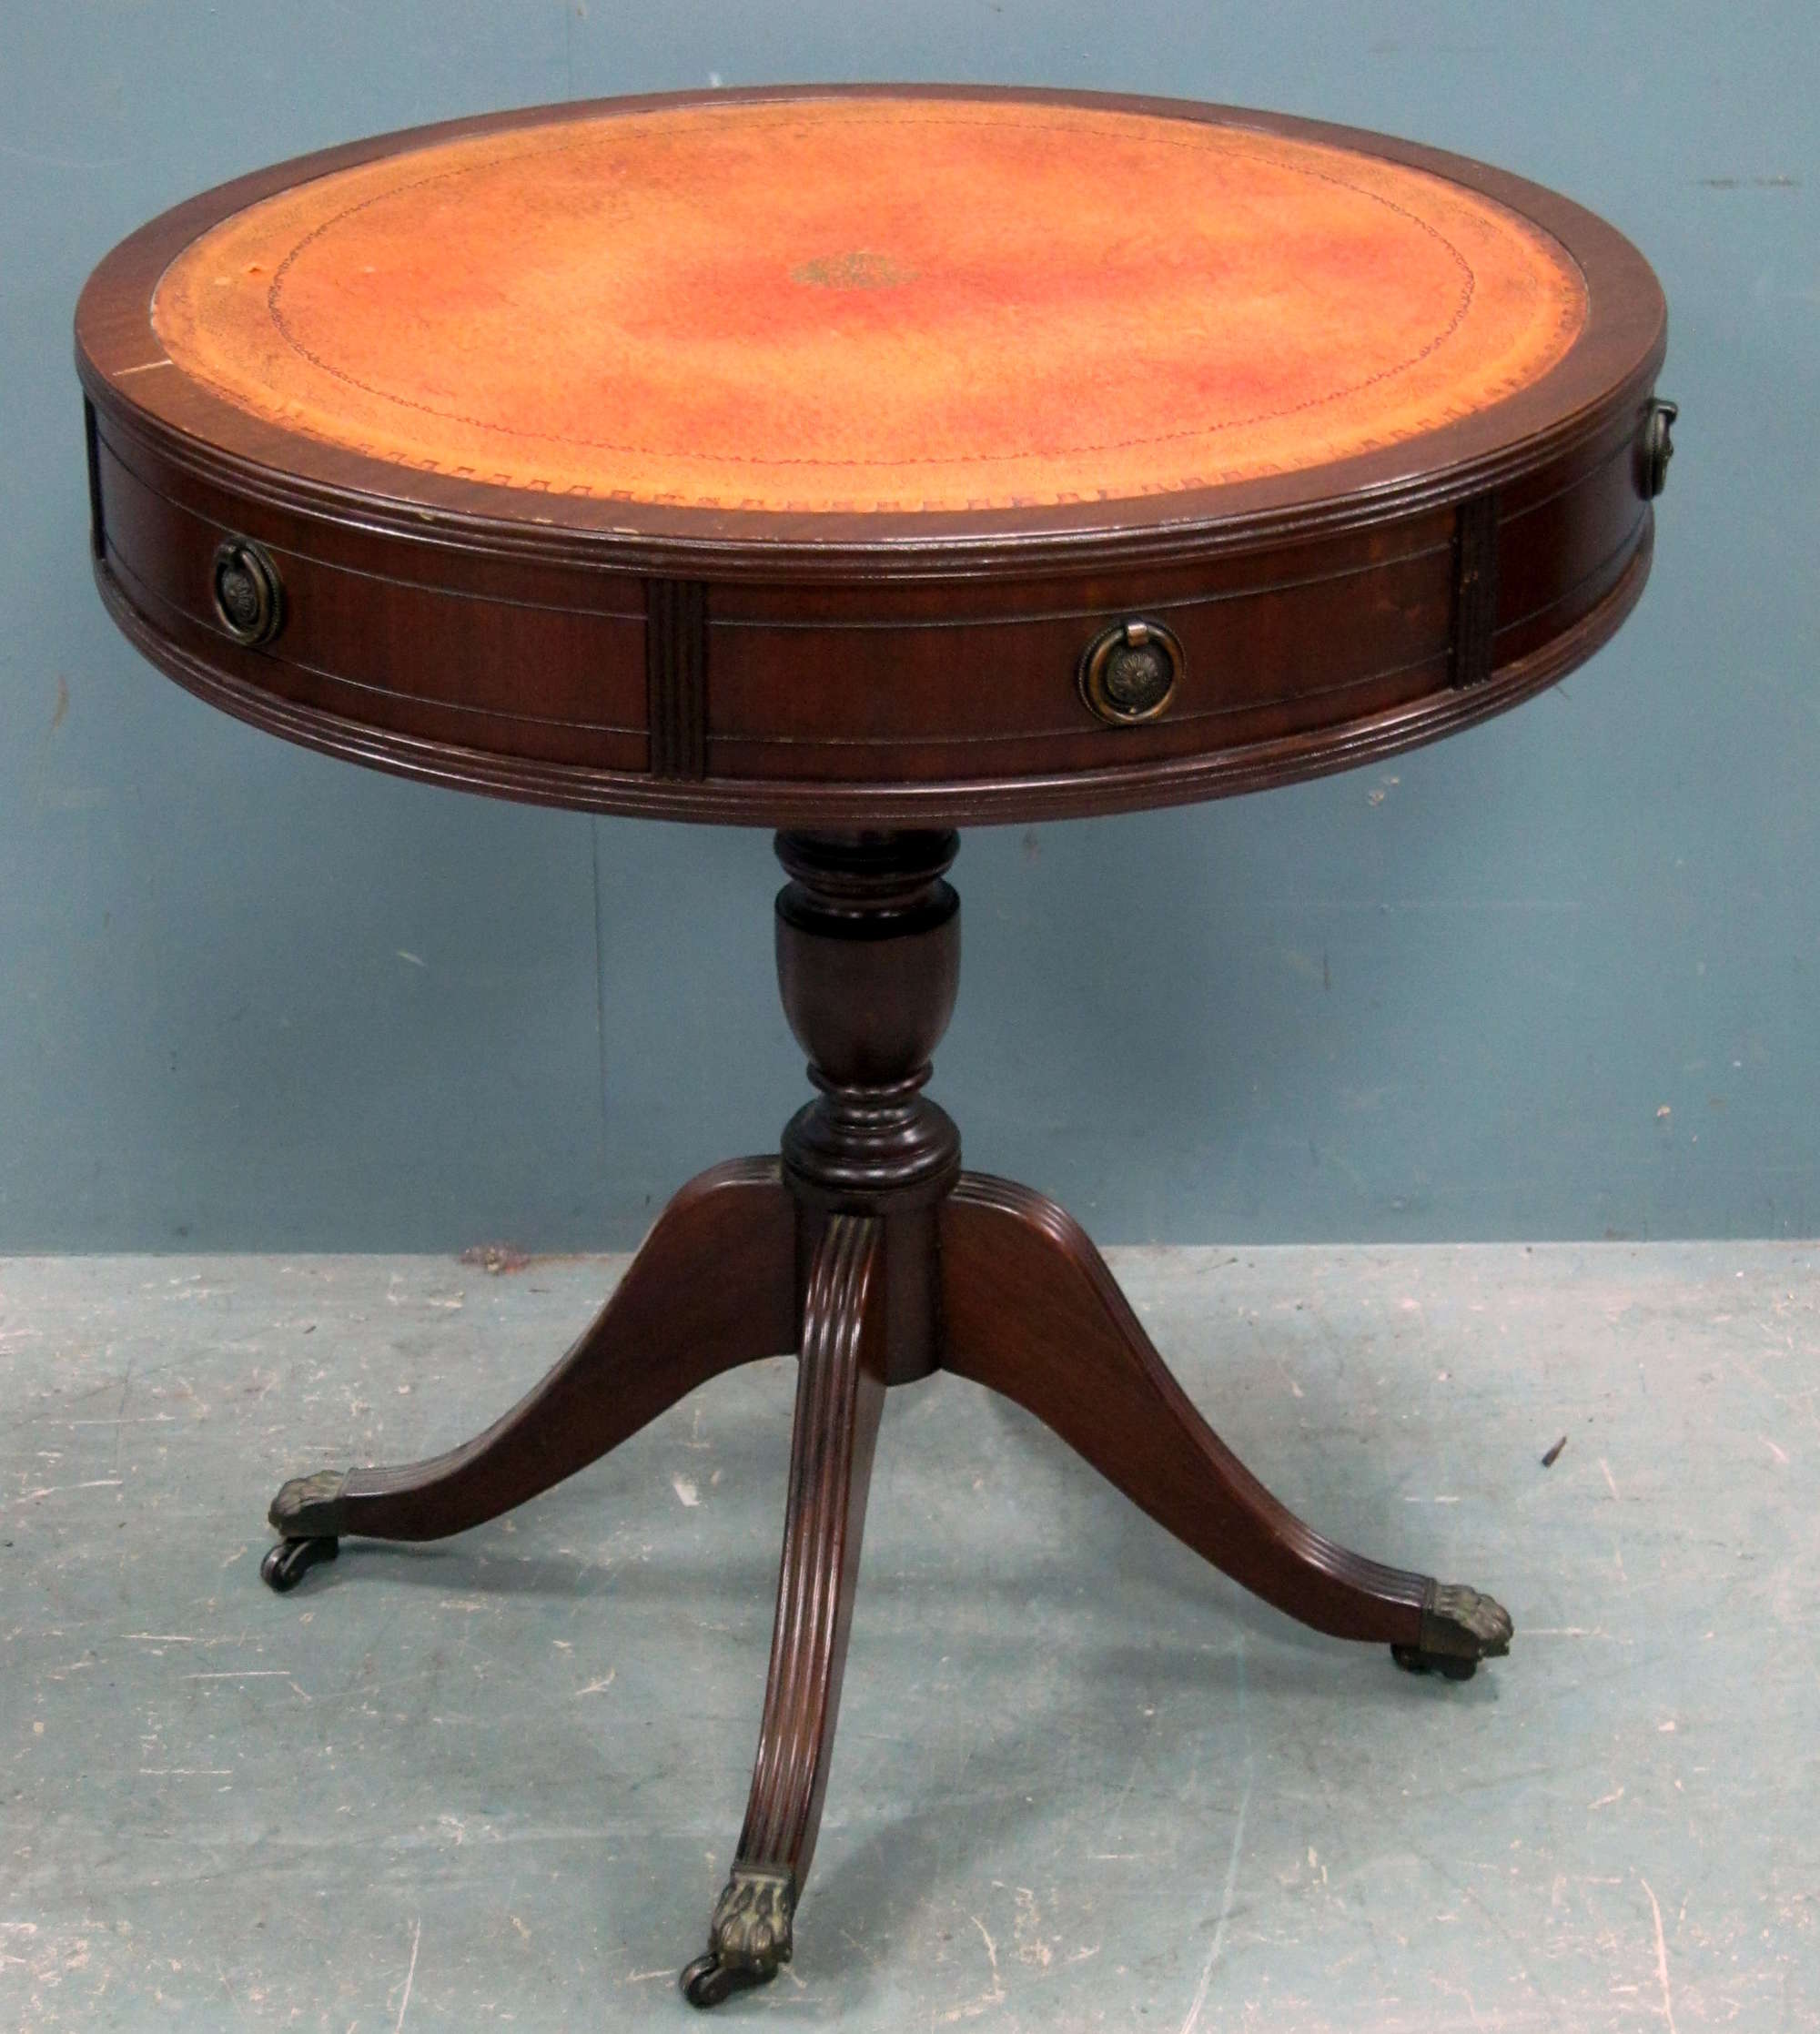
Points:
(1555, 977)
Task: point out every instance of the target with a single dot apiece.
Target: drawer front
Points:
(557, 676)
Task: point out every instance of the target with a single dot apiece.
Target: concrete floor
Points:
(1082, 1781)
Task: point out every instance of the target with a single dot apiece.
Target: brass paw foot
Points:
(287, 1562)
(309, 1507)
(1459, 1627)
(749, 1936)
(307, 1512)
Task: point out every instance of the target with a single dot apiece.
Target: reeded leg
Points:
(840, 1390)
(1032, 1310)
(712, 1286)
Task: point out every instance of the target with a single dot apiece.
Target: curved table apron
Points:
(862, 463)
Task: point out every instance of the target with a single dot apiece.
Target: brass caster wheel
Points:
(291, 1560)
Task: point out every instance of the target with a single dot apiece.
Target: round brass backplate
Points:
(1129, 671)
(249, 593)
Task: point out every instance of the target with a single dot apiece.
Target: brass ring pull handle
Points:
(248, 592)
(1129, 671)
(1656, 447)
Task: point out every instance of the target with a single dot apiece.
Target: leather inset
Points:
(869, 304)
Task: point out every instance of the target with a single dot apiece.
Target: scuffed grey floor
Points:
(1082, 1781)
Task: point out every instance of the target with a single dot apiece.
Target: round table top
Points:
(836, 340)
(870, 304)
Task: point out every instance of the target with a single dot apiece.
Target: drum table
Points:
(860, 463)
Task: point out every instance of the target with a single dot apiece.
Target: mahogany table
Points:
(862, 463)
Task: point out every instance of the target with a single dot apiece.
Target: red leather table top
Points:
(869, 303)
